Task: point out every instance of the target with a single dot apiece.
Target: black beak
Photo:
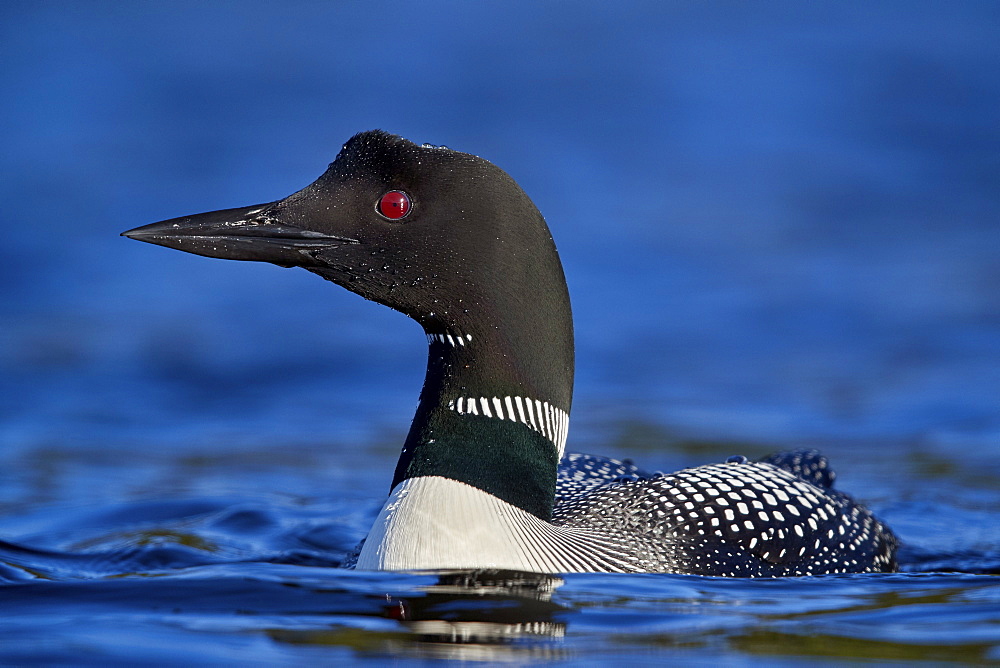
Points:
(247, 233)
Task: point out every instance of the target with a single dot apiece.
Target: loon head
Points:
(445, 237)
(452, 241)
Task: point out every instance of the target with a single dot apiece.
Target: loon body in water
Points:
(452, 241)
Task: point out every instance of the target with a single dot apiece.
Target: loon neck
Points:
(494, 409)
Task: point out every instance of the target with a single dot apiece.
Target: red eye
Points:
(394, 205)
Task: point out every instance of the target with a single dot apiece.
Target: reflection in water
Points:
(486, 615)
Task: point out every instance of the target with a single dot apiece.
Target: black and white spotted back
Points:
(581, 474)
(776, 517)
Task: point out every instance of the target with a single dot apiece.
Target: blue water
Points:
(780, 224)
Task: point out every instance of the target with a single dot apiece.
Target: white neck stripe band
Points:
(551, 422)
(453, 340)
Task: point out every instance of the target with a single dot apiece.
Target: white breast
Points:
(434, 523)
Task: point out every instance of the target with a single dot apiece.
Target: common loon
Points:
(452, 241)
